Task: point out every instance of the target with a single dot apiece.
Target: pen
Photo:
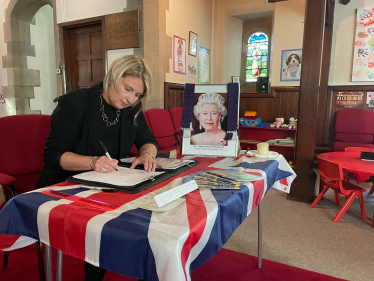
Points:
(107, 153)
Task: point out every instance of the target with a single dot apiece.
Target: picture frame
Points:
(179, 55)
(192, 46)
(210, 120)
(235, 79)
(291, 65)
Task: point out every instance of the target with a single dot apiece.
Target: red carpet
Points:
(225, 266)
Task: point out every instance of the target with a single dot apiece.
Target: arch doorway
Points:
(31, 35)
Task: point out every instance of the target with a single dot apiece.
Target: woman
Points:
(210, 112)
(110, 112)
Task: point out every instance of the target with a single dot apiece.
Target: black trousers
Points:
(94, 273)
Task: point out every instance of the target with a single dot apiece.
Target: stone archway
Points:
(21, 79)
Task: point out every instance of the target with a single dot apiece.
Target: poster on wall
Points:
(370, 100)
(349, 100)
(204, 65)
(179, 55)
(291, 65)
(363, 58)
(191, 69)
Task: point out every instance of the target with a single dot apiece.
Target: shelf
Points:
(267, 128)
(256, 142)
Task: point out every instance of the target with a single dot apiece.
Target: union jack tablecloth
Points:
(137, 242)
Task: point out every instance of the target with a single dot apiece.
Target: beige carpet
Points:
(297, 235)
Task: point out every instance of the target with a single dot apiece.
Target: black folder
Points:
(141, 186)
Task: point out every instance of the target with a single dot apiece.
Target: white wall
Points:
(288, 33)
(183, 17)
(233, 48)
(343, 42)
(70, 10)
(42, 34)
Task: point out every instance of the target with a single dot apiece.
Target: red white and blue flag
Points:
(136, 242)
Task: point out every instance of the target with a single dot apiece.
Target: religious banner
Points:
(122, 30)
(179, 55)
(204, 65)
(363, 60)
(349, 100)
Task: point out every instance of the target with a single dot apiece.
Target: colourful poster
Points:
(179, 55)
(349, 100)
(191, 69)
(370, 100)
(204, 65)
(363, 59)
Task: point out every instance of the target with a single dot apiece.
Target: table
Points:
(350, 161)
(140, 243)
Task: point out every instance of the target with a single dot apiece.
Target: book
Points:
(123, 178)
(166, 163)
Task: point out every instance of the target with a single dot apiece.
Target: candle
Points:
(263, 148)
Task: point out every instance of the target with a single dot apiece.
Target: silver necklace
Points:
(105, 118)
(208, 140)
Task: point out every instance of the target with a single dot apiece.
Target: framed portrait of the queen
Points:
(210, 117)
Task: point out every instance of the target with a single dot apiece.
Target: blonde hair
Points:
(130, 66)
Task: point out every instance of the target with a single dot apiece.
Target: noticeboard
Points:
(122, 30)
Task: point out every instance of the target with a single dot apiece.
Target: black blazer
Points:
(74, 129)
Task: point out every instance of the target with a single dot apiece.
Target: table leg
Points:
(59, 265)
(259, 256)
(48, 262)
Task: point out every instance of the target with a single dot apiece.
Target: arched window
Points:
(257, 56)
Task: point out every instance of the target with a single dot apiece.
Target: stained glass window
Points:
(257, 57)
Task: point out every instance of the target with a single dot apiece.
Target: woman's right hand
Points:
(104, 165)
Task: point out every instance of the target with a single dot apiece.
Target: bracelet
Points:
(91, 162)
(150, 153)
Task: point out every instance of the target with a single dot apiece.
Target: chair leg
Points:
(337, 199)
(319, 197)
(371, 189)
(362, 206)
(39, 249)
(5, 262)
(345, 207)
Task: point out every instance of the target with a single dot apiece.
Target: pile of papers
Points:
(287, 141)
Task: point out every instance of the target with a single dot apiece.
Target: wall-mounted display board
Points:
(363, 60)
(122, 30)
(204, 65)
(349, 100)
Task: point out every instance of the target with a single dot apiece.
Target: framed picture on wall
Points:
(235, 79)
(192, 47)
(210, 117)
(291, 65)
(179, 55)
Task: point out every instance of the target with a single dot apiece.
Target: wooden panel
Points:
(96, 43)
(97, 70)
(282, 102)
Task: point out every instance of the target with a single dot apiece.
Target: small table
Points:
(141, 243)
(350, 161)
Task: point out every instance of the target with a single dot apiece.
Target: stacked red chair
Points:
(161, 125)
(21, 158)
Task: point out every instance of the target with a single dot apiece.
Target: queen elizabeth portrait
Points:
(210, 111)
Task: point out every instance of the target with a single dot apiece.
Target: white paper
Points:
(124, 176)
(167, 163)
(174, 193)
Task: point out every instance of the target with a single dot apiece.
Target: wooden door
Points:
(84, 55)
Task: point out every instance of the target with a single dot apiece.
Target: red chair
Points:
(350, 175)
(21, 159)
(332, 177)
(162, 128)
(176, 117)
(354, 128)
